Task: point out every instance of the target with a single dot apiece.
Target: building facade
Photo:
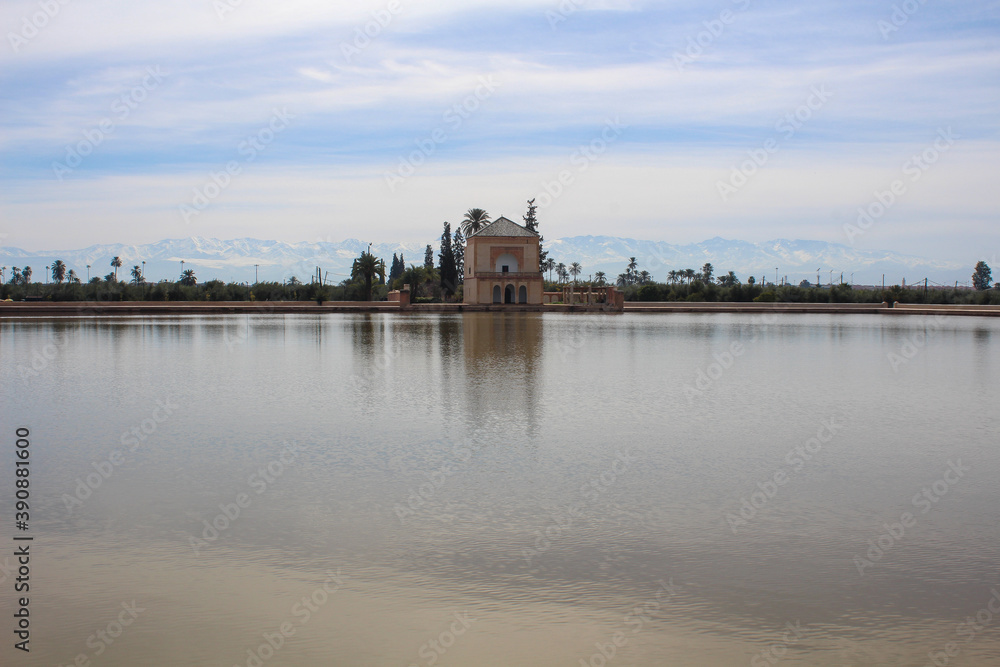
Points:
(501, 265)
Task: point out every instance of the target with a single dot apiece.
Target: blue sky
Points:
(642, 110)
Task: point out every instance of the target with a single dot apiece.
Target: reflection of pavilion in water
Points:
(502, 353)
(479, 369)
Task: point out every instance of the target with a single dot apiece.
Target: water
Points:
(506, 489)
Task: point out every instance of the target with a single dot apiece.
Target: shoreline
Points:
(133, 308)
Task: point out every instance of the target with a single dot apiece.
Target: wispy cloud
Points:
(354, 117)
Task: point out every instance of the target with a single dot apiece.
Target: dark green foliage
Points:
(458, 249)
(982, 277)
(447, 271)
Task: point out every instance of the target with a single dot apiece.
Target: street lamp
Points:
(46, 274)
(775, 276)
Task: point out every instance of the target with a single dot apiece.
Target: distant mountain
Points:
(234, 260)
(798, 260)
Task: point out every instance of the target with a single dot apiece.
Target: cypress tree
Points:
(458, 249)
(449, 274)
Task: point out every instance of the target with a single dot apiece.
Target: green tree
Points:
(73, 278)
(475, 219)
(429, 257)
(26, 275)
(728, 280)
(15, 275)
(644, 277)
(600, 278)
(530, 221)
(137, 275)
(366, 268)
(982, 277)
(458, 250)
(417, 277)
(561, 272)
(706, 272)
(448, 273)
(58, 271)
(188, 278)
(116, 263)
(574, 270)
(549, 265)
(689, 274)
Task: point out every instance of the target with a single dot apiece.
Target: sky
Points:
(873, 124)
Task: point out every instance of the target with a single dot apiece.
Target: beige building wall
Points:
(487, 257)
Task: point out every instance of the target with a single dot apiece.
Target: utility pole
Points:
(255, 273)
(818, 284)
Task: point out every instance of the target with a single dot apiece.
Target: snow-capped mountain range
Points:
(235, 260)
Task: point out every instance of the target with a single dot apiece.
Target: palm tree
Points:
(599, 278)
(136, 275)
(58, 271)
(549, 265)
(632, 265)
(644, 277)
(574, 270)
(15, 275)
(475, 219)
(672, 277)
(366, 268)
(188, 278)
(116, 263)
(72, 277)
(622, 280)
(561, 271)
(26, 275)
(689, 274)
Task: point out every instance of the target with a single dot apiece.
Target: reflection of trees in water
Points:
(461, 367)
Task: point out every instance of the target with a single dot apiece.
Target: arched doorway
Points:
(508, 294)
(522, 294)
(496, 294)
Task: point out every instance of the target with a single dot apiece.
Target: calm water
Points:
(506, 489)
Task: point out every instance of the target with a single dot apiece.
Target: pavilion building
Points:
(501, 265)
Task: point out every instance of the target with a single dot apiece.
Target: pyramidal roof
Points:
(504, 227)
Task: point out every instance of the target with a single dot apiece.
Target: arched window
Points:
(508, 294)
(496, 294)
(506, 263)
(522, 294)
